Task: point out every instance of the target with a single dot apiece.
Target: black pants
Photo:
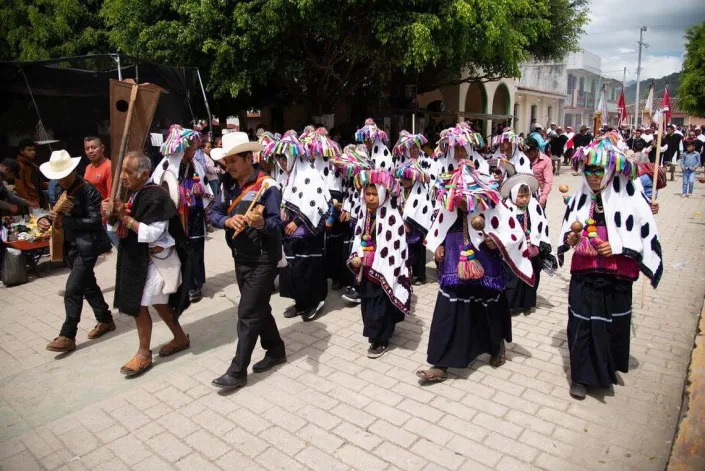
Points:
(417, 251)
(82, 284)
(196, 249)
(254, 315)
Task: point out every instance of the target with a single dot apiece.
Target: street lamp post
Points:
(638, 75)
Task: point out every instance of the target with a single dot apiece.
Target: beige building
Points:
(540, 95)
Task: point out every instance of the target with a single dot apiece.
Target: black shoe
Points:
(578, 390)
(311, 313)
(351, 295)
(336, 285)
(195, 295)
(229, 382)
(376, 350)
(419, 281)
(267, 363)
(292, 311)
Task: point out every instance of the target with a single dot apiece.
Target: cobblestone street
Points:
(331, 407)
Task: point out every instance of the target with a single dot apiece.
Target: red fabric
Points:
(621, 109)
(100, 177)
(666, 105)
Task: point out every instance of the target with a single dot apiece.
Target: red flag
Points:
(666, 105)
(621, 109)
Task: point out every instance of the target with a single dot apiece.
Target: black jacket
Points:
(83, 226)
(673, 142)
(252, 245)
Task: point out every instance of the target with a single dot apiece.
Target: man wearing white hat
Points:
(84, 240)
(255, 238)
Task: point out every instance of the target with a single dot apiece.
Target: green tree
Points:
(691, 92)
(321, 52)
(45, 29)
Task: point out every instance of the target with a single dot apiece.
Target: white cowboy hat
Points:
(60, 165)
(217, 153)
(238, 142)
(518, 179)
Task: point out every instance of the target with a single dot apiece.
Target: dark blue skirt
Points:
(467, 322)
(599, 322)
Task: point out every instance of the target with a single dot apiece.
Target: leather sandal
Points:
(433, 375)
(501, 358)
(171, 347)
(137, 365)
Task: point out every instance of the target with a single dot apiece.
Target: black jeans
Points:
(254, 315)
(82, 284)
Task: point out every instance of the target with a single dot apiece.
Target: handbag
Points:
(14, 268)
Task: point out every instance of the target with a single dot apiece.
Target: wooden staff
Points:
(653, 186)
(117, 166)
(264, 186)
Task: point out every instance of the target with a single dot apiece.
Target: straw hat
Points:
(60, 165)
(237, 143)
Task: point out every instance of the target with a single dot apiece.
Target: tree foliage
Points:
(318, 52)
(47, 29)
(691, 93)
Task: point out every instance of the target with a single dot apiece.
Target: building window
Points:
(571, 83)
(516, 115)
(581, 87)
(550, 114)
(533, 113)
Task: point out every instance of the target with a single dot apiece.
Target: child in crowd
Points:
(689, 164)
(517, 192)
(380, 259)
(417, 204)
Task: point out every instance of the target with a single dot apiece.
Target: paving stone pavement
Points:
(330, 407)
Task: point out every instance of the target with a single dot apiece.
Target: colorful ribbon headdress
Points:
(411, 170)
(289, 144)
(378, 177)
(179, 139)
(466, 184)
(370, 131)
(407, 141)
(460, 135)
(352, 161)
(319, 144)
(603, 152)
(265, 139)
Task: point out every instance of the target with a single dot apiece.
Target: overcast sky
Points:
(613, 34)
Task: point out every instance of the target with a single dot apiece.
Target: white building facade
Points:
(540, 95)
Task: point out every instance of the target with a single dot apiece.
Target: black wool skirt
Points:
(599, 321)
(336, 255)
(379, 315)
(467, 322)
(521, 296)
(304, 277)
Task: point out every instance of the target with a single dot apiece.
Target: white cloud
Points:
(613, 34)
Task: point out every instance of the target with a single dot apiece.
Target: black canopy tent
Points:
(67, 99)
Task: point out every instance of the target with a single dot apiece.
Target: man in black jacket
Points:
(671, 143)
(84, 240)
(257, 249)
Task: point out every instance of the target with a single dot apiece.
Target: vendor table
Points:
(32, 251)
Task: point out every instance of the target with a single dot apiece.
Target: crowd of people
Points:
(300, 207)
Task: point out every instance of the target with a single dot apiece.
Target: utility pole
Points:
(638, 75)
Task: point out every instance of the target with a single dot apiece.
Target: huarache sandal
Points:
(433, 375)
(137, 365)
(172, 347)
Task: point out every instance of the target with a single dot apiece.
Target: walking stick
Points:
(653, 187)
(117, 166)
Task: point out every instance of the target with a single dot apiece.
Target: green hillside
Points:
(672, 80)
